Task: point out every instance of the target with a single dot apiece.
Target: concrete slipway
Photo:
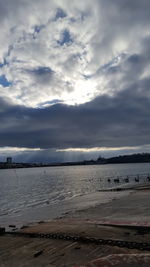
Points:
(125, 220)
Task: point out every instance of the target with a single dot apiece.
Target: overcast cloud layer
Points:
(74, 73)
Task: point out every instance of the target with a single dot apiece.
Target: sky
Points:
(74, 79)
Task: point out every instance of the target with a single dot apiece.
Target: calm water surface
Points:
(43, 193)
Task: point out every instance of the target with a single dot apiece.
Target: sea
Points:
(36, 194)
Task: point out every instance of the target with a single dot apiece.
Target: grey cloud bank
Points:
(121, 120)
(74, 74)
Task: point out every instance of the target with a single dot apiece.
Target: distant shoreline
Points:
(34, 165)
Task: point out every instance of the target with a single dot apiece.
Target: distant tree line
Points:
(134, 158)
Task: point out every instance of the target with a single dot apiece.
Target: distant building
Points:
(9, 160)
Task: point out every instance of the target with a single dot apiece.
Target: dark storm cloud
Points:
(121, 120)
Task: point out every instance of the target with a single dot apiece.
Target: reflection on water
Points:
(25, 190)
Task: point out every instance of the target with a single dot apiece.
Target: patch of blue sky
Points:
(4, 63)
(4, 82)
(66, 38)
(38, 28)
(60, 13)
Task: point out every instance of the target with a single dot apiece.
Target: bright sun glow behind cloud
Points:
(83, 92)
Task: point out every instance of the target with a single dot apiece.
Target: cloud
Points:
(41, 75)
(75, 40)
(107, 121)
(74, 74)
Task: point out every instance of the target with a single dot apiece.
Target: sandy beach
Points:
(132, 208)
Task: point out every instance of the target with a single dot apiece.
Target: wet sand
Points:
(56, 210)
(129, 209)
